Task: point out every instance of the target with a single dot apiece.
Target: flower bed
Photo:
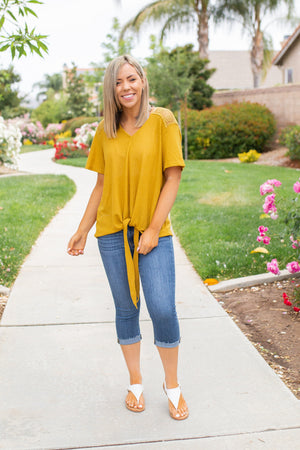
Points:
(80, 146)
(291, 230)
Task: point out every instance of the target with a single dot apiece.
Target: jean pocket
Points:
(110, 242)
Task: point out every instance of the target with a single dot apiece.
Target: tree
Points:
(176, 13)
(78, 97)
(252, 14)
(113, 47)
(9, 96)
(54, 83)
(173, 74)
(178, 79)
(15, 36)
(52, 110)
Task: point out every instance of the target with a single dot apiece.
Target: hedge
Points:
(224, 131)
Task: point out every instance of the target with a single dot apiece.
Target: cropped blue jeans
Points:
(157, 274)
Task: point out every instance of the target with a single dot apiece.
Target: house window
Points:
(288, 76)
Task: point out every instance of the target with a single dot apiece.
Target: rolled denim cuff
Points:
(167, 344)
(129, 341)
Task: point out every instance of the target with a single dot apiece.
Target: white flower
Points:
(10, 143)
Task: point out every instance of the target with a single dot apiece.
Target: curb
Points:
(4, 290)
(254, 280)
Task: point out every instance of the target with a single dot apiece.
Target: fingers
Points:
(75, 251)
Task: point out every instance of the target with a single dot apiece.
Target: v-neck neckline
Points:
(131, 135)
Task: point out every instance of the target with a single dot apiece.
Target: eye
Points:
(132, 79)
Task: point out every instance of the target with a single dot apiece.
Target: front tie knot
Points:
(132, 263)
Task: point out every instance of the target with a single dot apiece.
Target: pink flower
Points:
(259, 238)
(273, 267)
(296, 309)
(293, 267)
(297, 187)
(275, 182)
(266, 240)
(295, 242)
(262, 229)
(273, 216)
(269, 205)
(266, 187)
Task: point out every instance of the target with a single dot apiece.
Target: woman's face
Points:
(129, 87)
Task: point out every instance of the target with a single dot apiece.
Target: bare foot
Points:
(133, 404)
(181, 412)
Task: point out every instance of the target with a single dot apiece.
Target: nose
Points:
(126, 85)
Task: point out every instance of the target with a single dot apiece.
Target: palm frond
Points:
(268, 54)
(155, 12)
(179, 18)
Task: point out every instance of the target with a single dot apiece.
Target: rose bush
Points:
(80, 146)
(290, 216)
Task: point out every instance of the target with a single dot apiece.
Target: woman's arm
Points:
(149, 239)
(78, 240)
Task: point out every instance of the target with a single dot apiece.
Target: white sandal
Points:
(174, 397)
(137, 390)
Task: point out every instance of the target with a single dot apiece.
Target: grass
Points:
(77, 162)
(27, 204)
(34, 148)
(217, 213)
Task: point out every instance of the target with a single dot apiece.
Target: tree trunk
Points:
(179, 116)
(257, 51)
(257, 57)
(202, 32)
(185, 128)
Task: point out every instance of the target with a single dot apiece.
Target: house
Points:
(234, 71)
(288, 59)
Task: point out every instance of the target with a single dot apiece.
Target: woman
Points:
(137, 154)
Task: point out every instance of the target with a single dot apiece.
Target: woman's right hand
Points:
(77, 244)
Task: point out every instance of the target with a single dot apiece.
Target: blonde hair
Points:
(112, 107)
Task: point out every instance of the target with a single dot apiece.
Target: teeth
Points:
(128, 96)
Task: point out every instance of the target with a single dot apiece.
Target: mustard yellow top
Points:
(133, 169)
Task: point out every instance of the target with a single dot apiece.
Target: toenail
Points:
(140, 406)
(177, 415)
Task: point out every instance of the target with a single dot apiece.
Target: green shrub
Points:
(51, 111)
(290, 137)
(224, 131)
(77, 122)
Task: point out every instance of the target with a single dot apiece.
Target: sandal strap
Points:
(173, 395)
(137, 390)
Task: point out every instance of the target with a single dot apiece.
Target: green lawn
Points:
(34, 148)
(217, 213)
(27, 203)
(77, 162)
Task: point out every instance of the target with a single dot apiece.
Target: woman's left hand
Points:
(148, 240)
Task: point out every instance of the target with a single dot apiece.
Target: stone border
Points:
(254, 280)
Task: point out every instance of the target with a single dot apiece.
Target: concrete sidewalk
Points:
(62, 378)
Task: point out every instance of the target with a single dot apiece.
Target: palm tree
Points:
(174, 13)
(252, 13)
(51, 82)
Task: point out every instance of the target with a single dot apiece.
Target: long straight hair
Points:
(112, 107)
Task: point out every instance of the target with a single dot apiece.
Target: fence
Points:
(283, 101)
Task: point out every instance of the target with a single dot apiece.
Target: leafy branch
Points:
(19, 39)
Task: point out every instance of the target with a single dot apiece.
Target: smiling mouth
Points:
(127, 96)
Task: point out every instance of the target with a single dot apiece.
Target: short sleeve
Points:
(171, 146)
(95, 160)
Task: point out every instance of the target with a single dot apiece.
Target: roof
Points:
(286, 46)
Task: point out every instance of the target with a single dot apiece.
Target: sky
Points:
(76, 29)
